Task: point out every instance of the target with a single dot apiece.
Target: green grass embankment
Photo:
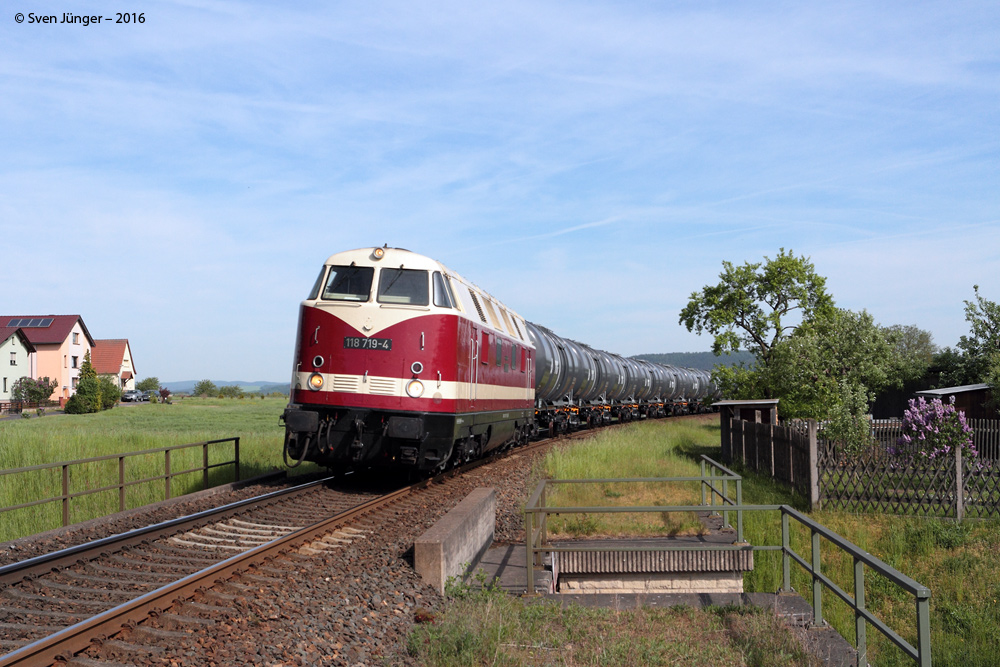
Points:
(130, 428)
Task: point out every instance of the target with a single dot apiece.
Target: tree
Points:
(746, 309)
(93, 393)
(756, 307)
(231, 391)
(844, 355)
(31, 390)
(915, 350)
(983, 341)
(148, 384)
(206, 388)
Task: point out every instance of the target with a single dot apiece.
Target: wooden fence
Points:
(883, 478)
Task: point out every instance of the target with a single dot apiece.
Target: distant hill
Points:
(263, 387)
(701, 360)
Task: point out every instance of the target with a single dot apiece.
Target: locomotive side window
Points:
(403, 286)
(349, 283)
(314, 292)
(442, 295)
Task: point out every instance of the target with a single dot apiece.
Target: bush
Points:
(933, 430)
(87, 398)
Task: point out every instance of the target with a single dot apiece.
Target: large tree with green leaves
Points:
(756, 307)
(982, 345)
(206, 388)
(846, 354)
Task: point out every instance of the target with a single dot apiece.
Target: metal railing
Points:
(714, 482)
(66, 496)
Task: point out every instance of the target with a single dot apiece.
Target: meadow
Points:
(131, 428)
(958, 562)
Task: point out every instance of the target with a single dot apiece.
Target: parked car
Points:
(150, 393)
(131, 395)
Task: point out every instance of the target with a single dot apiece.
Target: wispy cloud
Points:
(222, 150)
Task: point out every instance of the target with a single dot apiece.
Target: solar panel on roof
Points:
(30, 322)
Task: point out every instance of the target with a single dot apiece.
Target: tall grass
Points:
(487, 627)
(638, 450)
(55, 438)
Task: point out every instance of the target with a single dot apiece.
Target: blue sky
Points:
(179, 182)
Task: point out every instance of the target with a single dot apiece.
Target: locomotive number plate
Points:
(362, 343)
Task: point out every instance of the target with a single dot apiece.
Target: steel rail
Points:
(13, 572)
(70, 641)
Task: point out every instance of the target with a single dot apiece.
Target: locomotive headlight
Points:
(414, 388)
(315, 381)
(417, 368)
(379, 253)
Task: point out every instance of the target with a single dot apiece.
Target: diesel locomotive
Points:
(400, 362)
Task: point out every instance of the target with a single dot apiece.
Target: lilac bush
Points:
(932, 430)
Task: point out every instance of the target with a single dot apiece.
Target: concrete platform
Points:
(505, 566)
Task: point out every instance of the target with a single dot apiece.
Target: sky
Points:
(180, 181)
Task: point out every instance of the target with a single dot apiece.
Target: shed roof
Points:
(759, 403)
(948, 391)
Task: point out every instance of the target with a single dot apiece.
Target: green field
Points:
(55, 438)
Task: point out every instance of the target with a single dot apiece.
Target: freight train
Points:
(402, 363)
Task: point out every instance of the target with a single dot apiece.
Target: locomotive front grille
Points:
(383, 386)
(346, 383)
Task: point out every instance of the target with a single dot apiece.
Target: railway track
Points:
(54, 607)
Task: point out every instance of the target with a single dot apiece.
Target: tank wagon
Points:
(400, 362)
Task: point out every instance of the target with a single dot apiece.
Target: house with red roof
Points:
(60, 342)
(113, 357)
(17, 359)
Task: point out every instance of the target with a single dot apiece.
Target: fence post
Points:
(65, 494)
(529, 556)
(817, 584)
(813, 465)
(860, 624)
(703, 498)
(770, 431)
(166, 477)
(237, 459)
(786, 559)
(959, 485)
(204, 466)
(121, 483)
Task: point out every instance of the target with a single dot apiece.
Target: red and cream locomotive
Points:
(400, 362)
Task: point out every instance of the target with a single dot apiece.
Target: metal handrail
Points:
(536, 520)
(65, 497)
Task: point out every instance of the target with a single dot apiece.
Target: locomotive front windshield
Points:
(403, 286)
(349, 283)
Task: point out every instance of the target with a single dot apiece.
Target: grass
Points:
(55, 438)
(637, 450)
(958, 562)
(484, 626)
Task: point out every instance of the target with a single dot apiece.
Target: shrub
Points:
(933, 430)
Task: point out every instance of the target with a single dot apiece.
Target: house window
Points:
(13, 358)
(76, 338)
(76, 381)
(64, 361)
(75, 362)
(5, 385)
